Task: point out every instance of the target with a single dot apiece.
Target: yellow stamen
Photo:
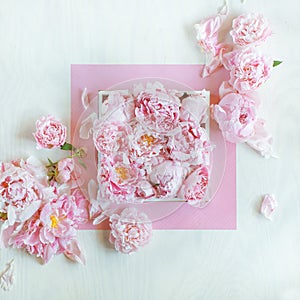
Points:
(149, 139)
(122, 172)
(54, 221)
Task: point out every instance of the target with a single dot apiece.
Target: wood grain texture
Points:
(38, 42)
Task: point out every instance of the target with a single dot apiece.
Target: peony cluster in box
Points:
(249, 68)
(153, 144)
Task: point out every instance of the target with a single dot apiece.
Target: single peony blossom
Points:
(207, 32)
(167, 177)
(249, 69)
(50, 133)
(130, 230)
(236, 116)
(158, 111)
(20, 193)
(194, 188)
(190, 145)
(250, 28)
(50, 231)
(110, 137)
(65, 167)
(117, 178)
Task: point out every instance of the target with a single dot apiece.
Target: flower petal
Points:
(268, 206)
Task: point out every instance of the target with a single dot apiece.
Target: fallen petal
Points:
(74, 253)
(7, 276)
(268, 206)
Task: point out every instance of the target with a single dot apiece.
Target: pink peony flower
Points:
(158, 110)
(20, 193)
(145, 190)
(194, 188)
(50, 231)
(65, 167)
(130, 230)
(50, 133)
(251, 28)
(110, 137)
(191, 145)
(194, 108)
(167, 177)
(117, 178)
(208, 30)
(236, 116)
(249, 69)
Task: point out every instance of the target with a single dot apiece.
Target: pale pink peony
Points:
(158, 110)
(145, 190)
(117, 178)
(50, 231)
(50, 133)
(250, 28)
(65, 168)
(207, 32)
(236, 116)
(194, 108)
(110, 137)
(20, 193)
(167, 178)
(190, 145)
(194, 188)
(249, 69)
(130, 230)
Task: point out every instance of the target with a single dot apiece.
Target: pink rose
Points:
(249, 69)
(50, 133)
(191, 145)
(158, 110)
(251, 28)
(130, 230)
(208, 30)
(167, 177)
(236, 116)
(194, 188)
(110, 137)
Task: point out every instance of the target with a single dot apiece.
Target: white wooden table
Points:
(261, 260)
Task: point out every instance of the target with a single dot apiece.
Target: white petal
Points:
(7, 276)
(29, 211)
(268, 206)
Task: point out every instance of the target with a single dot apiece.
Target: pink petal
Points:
(74, 253)
(268, 206)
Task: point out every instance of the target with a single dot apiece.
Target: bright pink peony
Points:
(190, 145)
(251, 28)
(50, 133)
(110, 137)
(249, 69)
(158, 110)
(236, 116)
(194, 188)
(130, 230)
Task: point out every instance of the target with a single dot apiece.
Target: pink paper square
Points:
(220, 213)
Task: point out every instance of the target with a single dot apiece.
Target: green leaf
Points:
(276, 63)
(67, 147)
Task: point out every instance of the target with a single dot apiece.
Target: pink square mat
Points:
(220, 213)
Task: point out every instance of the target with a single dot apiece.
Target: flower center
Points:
(122, 172)
(243, 118)
(149, 139)
(54, 221)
